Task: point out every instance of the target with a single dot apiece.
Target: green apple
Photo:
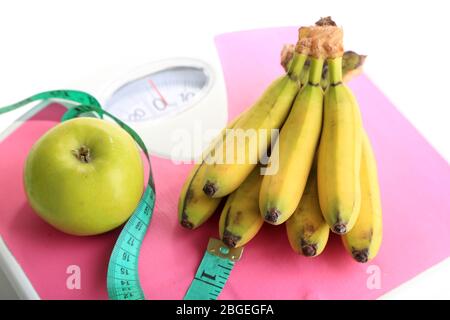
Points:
(84, 176)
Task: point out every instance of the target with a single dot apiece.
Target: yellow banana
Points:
(194, 207)
(240, 220)
(242, 147)
(306, 229)
(294, 151)
(339, 155)
(364, 240)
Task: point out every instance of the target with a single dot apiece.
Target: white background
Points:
(54, 44)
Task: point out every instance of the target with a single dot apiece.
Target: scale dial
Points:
(159, 94)
(174, 104)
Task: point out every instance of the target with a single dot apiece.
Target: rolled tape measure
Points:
(122, 276)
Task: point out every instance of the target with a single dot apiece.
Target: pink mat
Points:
(414, 179)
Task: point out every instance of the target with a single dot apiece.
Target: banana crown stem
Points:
(296, 66)
(335, 70)
(315, 73)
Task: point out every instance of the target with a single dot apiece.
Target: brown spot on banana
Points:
(272, 215)
(189, 195)
(230, 239)
(361, 255)
(237, 217)
(185, 221)
(189, 198)
(339, 228)
(368, 235)
(227, 220)
(308, 249)
(210, 188)
(309, 229)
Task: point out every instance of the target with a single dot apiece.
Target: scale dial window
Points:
(163, 93)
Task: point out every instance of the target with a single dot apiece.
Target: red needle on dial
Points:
(153, 85)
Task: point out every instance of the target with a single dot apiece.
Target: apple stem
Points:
(83, 154)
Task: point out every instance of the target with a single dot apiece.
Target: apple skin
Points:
(79, 193)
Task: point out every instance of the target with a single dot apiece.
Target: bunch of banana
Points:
(321, 174)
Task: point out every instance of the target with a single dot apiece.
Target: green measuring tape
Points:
(123, 278)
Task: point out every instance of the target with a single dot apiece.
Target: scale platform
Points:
(414, 182)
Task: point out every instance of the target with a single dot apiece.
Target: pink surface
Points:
(414, 179)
